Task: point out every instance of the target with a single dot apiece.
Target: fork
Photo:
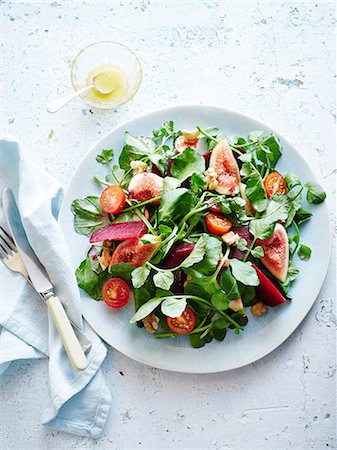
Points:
(11, 258)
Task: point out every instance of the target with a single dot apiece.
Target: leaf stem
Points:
(202, 131)
(146, 202)
(98, 180)
(250, 249)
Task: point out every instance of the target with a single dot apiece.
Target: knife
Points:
(42, 284)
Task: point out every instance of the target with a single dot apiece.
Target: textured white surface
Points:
(274, 62)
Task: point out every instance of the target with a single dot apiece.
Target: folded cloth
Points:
(80, 401)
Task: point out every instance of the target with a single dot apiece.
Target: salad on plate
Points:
(199, 225)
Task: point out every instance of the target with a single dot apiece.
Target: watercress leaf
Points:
(248, 294)
(302, 216)
(315, 193)
(246, 169)
(277, 209)
(291, 276)
(255, 135)
(173, 307)
(246, 157)
(255, 191)
(121, 270)
(257, 252)
(139, 276)
(163, 280)
(88, 279)
(198, 182)
(165, 230)
(304, 252)
(196, 255)
(244, 272)
(174, 204)
(127, 155)
(274, 151)
(187, 163)
(220, 301)
(242, 245)
(229, 284)
(141, 145)
(211, 257)
(105, 156)
(219, 333)
(203, 287)
(144, 293)
(292, 180)
(196, 341)
(88, 215)
(146, 309)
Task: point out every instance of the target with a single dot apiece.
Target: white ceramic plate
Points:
(262, 335)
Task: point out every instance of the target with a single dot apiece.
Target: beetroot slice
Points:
(178, 254)
(119, 232)
(266, 291)
(243, 232)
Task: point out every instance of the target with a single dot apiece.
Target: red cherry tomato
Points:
(218, 224)
(116, 293)
(215, 208)
(275, 184)
(112, 199)
(184, 323)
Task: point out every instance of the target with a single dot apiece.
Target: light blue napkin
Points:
(79, 401)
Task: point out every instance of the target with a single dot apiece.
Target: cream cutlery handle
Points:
(71, 344)
(58, 103)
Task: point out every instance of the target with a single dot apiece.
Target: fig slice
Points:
(119, 232)
(276, 253)
(226, 167)
(266, 292)
(144, 186)
(133, 251)
(183, 142)
(248, 206)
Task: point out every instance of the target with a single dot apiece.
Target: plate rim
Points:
(300, 318)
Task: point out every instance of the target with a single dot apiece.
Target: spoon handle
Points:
(53, 106)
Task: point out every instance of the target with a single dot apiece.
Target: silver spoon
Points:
(97, 84)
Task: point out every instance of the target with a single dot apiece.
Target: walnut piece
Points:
(104, 259)
(230, 238)
(211, 178)
(151, 323)
(191, 135)
(138, 167)
(259, 309)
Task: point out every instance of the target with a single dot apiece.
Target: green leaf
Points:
(196, 255)
(127, 155)
(196, 341)
(277, 209)
(198, 182)
(302, 216)
(315, 193)
(89, 280)
(244, 272)
(187, 163)
(121, 270)
(219, 331)
(229, 285)
(212, 255)
(144, 294)
(88, 215)
(220, 301)
(270, 152)
(175, 204)
(202, 287)
(105, 156)
(139, 276)
(255, 190)
(143, 145)
(165, 230)
(291, 276)
(242, 245)
(146, 309)
(170, 183)
(173, 307)
(304, 252)
(248, 294)
(163, 280)
(257, 252)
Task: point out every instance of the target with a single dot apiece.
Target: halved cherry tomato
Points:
(116, 293)
(275, 184)
(112, 199)
(218, 224)
(184, 323)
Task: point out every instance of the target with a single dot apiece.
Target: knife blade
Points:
(42, 283)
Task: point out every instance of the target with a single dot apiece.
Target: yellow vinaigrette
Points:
(107, 78)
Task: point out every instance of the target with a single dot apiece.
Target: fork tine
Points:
(7, 239)
(3, 253)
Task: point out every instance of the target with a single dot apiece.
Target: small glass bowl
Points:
(101, 54)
